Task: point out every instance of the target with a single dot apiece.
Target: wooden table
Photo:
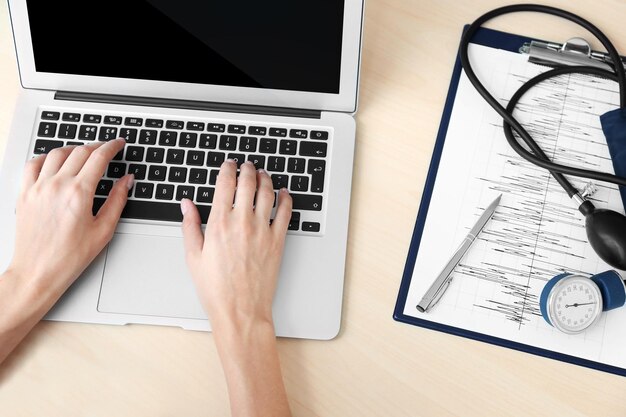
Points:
(375, 367)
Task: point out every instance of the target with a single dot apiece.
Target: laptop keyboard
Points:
(176, 158)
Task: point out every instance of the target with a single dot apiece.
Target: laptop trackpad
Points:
(147, 275)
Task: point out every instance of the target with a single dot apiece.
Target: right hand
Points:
(235, 263)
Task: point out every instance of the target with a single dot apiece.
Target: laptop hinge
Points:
(187, 104)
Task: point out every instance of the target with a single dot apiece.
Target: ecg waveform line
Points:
(537, 232)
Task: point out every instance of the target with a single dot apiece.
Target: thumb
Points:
(192, 232)
(110, 212)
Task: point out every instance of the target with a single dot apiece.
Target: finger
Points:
(192, 232)
(32, 171)
(283, 212)
(264, 196)
(95, 166)
(54, 161)
(76, 160)
(110, 212)
(246, 188)
(225, 187)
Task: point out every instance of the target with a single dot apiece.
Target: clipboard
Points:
(548, 54)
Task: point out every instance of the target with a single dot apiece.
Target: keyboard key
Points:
(92, 118)
(294, 223)
(175, 156)
(86, 132)
(317, 168)
(237, 157)
(184, 191)
(104, 187)
(239, 129)
(276, 163)
(213, 176)
(257, 160)
(50, 115)
(139, 171)
(188, 140)
(268, 145)
(208, 141)
(45, 146)
(205, 195)
(278, 132)
(174, 124)
(299, 183)
(134, 153)
(154, 123)
(317, 149)
(195, 126)
(319, 135)
(67, 131)
(215, 159)
(256, 130)
(112, 120)
(310, 227)
(228, 142)
(288, 147)
(298, 133)
(47, 129)
(168, 138)
(177, 174)
(307, 202)
(247, 144)
(215, 127)
(133, 121)
(116, 170)
(198, 176)
(71, 117)
(119, 156)
(164, 192)
(143, 189)
(157, 173)
(107, 134)
(296, 165)
(155, 155)
(195, 158)
(154, 210)
(129, 134)
(147, 137)
(72, 143)
(280, 181)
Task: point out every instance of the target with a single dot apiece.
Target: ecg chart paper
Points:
(537, 231)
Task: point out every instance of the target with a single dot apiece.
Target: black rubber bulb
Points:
(606, 232)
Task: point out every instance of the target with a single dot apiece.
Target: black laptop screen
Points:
(278, 44)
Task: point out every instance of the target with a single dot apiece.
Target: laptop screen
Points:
(276, 44)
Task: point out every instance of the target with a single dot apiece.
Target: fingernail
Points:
(230, 161)
(131, 181)
(262, 171)
(184, 205)
(283, 190)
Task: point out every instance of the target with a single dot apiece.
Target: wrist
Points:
(29, 296)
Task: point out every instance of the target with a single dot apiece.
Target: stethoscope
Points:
(606, 229)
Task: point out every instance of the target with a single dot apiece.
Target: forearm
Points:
(22, 305)
(251, 365)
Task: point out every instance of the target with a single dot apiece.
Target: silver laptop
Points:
(189, 84)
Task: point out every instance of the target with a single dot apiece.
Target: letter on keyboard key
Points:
(307, 202)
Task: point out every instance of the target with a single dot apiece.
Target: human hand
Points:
(57, 235)
(235, 263)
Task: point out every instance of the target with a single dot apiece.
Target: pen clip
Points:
(437, 296)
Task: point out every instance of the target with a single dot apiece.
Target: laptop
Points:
(189, 84)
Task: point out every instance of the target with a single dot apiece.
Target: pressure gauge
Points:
(572, 303)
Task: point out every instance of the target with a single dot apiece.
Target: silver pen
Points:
(444, 278)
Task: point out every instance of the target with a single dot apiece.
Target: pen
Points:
(444, 278)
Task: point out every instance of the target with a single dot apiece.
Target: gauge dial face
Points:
(575, 303)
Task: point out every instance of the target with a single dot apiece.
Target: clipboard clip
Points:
(575, 51)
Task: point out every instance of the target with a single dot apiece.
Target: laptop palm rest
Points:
(147, 275)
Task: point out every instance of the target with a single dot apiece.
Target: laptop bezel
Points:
(344, 101)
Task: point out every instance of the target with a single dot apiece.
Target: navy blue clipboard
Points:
(508, 42)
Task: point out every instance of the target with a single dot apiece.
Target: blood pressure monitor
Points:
(572, 303)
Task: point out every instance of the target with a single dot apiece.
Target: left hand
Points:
(57, 236)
